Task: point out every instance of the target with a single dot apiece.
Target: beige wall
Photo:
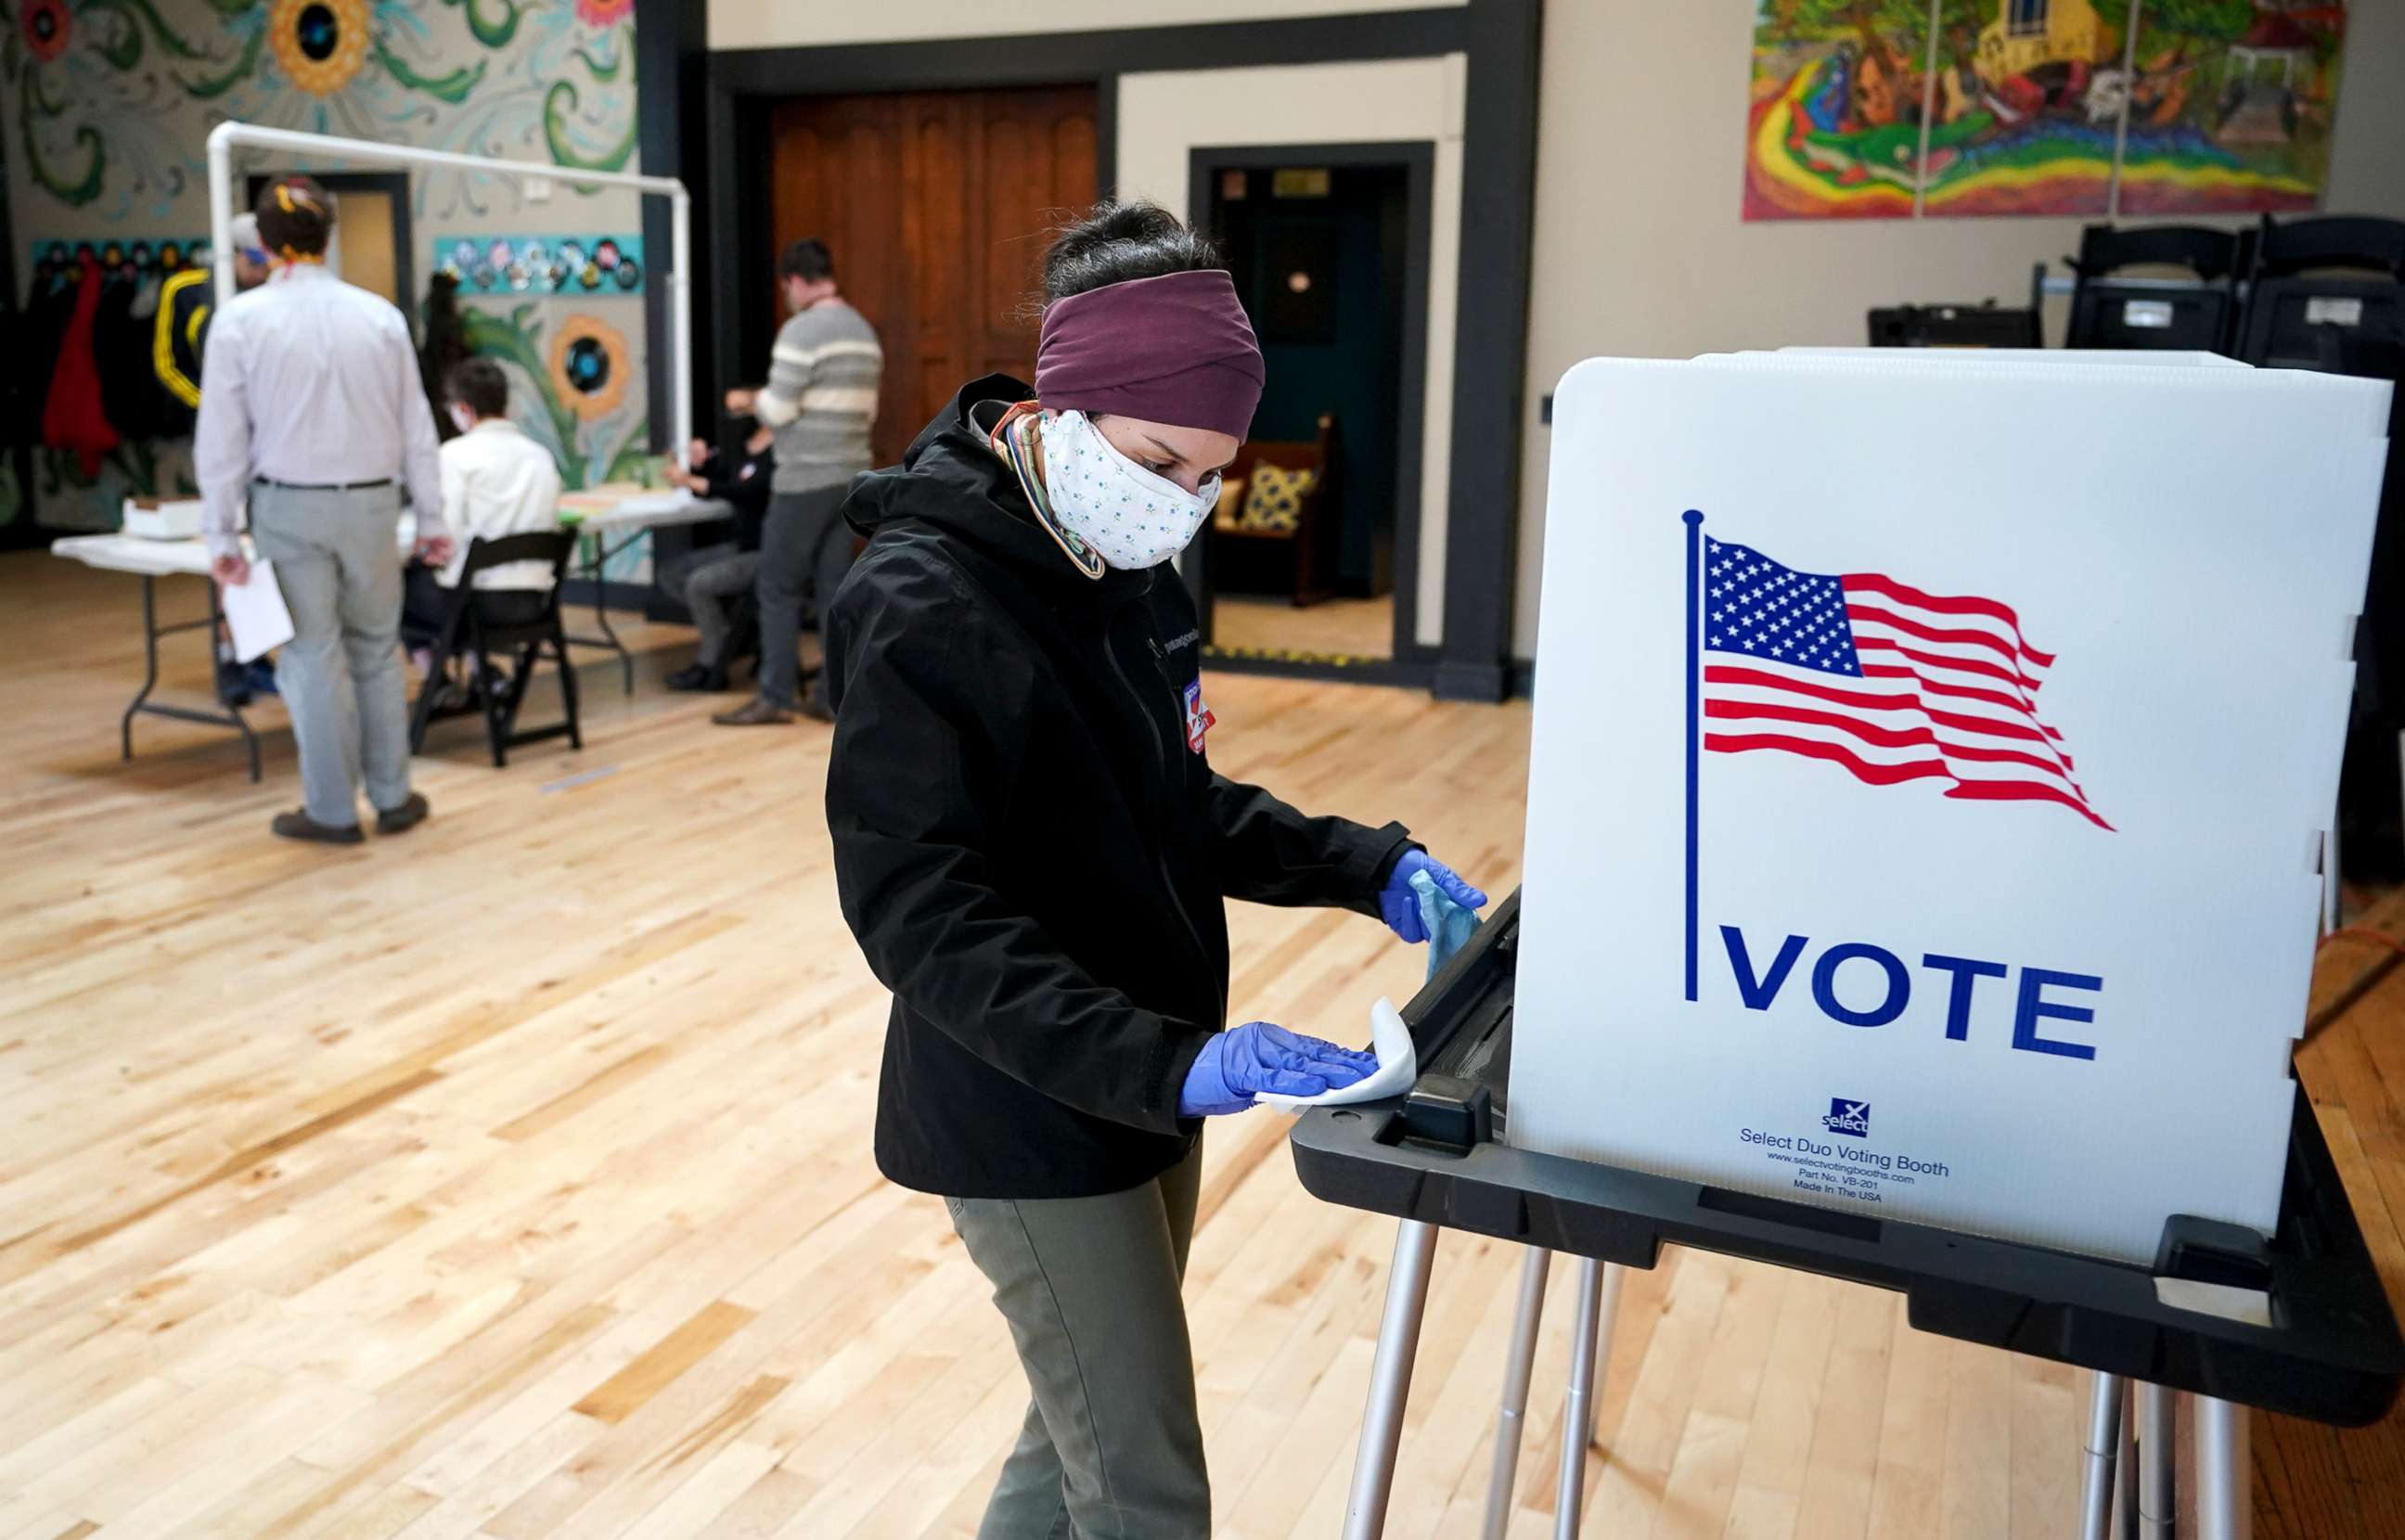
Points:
(1640, 158)
(793, 24)
(1640, 251)
(1165, 116)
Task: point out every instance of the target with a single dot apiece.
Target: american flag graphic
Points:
(1887, 681)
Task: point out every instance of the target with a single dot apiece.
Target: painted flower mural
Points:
(574, 384)
(589, 367)
(115, 97)
(319, 44)
(47, 25)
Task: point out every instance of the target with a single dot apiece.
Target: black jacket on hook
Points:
(1030, 844)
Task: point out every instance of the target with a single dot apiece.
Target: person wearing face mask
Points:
(1033, 853)
(495, 482)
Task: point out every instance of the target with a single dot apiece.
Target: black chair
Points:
(1954, 326)
(478, 628)
(2198, 313)
(2314, 274)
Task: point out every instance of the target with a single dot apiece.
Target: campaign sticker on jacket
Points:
(1199, 718)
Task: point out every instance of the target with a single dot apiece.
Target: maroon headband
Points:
(1172, 349)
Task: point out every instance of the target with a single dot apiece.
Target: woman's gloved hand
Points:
(1400, 907)
(1240, 1063)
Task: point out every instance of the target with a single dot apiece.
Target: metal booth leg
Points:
(1613, 1276)
(2103, 1452)
(2330, 880)
(1510, 1421)
(2125, 1470)
(2225, 1508)
(2157, 1499)
(1578, 1418)
(1390, 1380)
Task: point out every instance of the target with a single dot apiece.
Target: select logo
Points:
(1848, 1117)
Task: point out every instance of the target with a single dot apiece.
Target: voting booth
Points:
(1921, 886)
(1939, 845)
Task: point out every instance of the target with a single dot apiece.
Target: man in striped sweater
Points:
(820, 399)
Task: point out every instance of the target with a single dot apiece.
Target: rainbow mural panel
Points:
(1903, 108)
(1833, 128)
(2231, 107)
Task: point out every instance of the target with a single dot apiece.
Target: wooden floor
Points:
(511, 1179)
(1352, 628)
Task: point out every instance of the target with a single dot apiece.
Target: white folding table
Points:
(151, 560)
(628, 514)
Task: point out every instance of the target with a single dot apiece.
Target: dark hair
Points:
(807, 260)
(295, 215)
(1115, 242)
(479, 384)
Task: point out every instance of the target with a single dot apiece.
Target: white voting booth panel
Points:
(1930, 828)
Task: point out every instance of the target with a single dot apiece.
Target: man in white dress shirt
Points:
(495, 482)
(312, 407)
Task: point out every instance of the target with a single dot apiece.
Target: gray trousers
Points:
(721, 576)
(805, 550)
(339, 566)
(1112, 1449)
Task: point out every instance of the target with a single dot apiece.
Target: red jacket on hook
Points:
(73, 419)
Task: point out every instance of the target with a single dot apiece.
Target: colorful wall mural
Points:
(1898, 108)
(106, 107)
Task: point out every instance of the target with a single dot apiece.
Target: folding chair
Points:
(470, 632)
(2195, 314)
(2313, 276)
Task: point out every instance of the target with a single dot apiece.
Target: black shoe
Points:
(233, 684)
(817, 709)
(408, 815)
(697, 678)
(757, 712)
(300, 825)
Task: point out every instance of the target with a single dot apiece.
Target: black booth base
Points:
(2334, 1353)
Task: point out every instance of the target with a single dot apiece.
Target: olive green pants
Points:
(1111, 1448)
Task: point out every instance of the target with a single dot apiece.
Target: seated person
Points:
(495, 482)
(711, 579)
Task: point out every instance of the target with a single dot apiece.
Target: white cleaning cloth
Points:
(1398, 1065)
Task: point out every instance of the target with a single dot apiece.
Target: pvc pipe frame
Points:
(226, 136)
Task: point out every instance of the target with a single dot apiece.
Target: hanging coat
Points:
(72, 417)
(129, 392)
(179, 334)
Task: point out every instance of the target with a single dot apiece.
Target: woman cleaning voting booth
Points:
(1033, 850)
(1424, 860)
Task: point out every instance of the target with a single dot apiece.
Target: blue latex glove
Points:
(1400, 906)
(1240, 1064)
(1449, 926)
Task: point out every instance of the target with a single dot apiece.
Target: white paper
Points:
(255, 613)
(1398, 1065)
(2189, 544)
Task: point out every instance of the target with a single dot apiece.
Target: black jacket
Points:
(743, 485)
(1032, 857)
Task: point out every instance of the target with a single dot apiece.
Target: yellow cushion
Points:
(1273, 499)
(1231, 497)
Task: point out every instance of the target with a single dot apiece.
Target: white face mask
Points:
(462, 419)
(1129, 516)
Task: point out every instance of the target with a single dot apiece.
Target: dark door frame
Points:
(1417, 159)
(404, 237)
(1499, 39)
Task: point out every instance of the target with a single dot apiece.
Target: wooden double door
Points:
(938, 206)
